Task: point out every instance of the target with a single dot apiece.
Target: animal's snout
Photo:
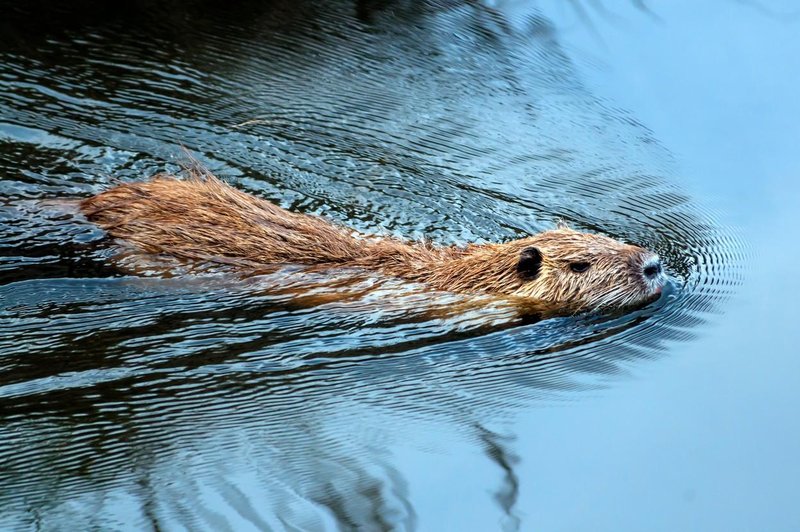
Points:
(652, 268)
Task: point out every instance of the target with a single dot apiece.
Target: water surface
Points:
(210, 402)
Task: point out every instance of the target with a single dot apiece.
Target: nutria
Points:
(202, 218)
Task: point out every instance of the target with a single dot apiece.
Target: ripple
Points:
(188, 400)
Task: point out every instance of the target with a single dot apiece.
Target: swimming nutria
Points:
(202, 218)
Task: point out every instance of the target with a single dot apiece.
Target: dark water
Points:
(209, 402)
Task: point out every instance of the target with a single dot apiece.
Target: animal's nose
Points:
(652, 268)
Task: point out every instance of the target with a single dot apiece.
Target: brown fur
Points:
(202, 218)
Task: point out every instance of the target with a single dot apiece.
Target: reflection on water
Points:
(202, 401)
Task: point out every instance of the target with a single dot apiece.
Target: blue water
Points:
(207, 402)
(707, 438)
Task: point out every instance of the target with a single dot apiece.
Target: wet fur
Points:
(202, 218)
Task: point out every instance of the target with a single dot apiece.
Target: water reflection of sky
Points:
(706, 439)
(701, 439)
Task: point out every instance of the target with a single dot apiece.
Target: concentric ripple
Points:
(207, 401)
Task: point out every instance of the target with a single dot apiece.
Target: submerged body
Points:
(202, 218)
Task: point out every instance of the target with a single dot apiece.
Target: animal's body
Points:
(202, 218)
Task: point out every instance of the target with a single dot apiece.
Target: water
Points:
(203, 401)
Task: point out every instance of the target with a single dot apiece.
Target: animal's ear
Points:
(530, 262)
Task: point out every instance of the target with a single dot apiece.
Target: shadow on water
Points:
(207, 402)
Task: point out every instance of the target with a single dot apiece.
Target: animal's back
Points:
(203, 218)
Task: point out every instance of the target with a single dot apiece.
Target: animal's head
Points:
(585, 271)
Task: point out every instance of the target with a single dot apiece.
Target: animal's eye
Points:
(579, 267)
